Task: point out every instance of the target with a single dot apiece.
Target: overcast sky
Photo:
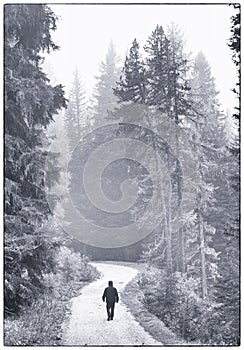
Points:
(84, 33)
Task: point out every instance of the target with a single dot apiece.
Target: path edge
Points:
(132, 297)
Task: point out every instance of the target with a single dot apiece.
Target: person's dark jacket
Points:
(111, 295)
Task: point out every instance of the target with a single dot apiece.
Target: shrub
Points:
(40, 323)
(37, 325)
(174, 300)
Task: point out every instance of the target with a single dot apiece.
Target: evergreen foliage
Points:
(131, 86)
(235, 46)
(30, 103)
(106, 81)
(76, 118)
(41, 323)
(194, 299)
(191, 281)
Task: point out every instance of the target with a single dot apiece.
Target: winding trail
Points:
(88, 323)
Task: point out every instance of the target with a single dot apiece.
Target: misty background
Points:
(174, 68)
(85, 31)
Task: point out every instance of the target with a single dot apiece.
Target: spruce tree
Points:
(132, 83)
(166, 67)
(30, 103)
(106, 81)
(207, 140)
(76, 116)
(167, 86)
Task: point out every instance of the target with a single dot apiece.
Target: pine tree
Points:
(106, 81)
(76, 117)
(207, 140)
(132, 83)
(30, 103)
(167, 85)
(166, 69)
(178, 66)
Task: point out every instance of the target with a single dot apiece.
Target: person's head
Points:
(110, 283)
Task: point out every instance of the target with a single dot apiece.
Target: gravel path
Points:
(88, 323)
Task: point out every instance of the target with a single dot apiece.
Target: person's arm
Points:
(104, 294)
(116, 296)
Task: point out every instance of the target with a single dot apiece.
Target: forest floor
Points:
(88, 325)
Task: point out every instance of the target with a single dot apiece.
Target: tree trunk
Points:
(175, 114)
(202, 254)
(181, 234)
(182, 250)
(166, 212)
(168, 238)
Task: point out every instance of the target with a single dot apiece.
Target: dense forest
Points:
(190, 278)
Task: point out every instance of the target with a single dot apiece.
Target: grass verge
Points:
(132, 297)
(41, 323)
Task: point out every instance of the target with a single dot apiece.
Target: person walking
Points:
(111, 296)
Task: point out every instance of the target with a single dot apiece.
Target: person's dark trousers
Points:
(110, 310)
